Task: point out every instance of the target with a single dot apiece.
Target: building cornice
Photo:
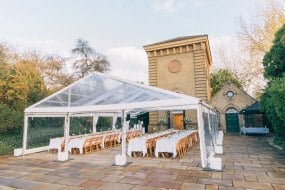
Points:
(182, 45)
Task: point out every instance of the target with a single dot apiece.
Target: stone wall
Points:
(222, 102)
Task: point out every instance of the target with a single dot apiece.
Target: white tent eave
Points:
(170, 104)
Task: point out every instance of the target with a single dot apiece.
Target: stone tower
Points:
(182, 65)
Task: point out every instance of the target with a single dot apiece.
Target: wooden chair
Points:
(184, 146)
(190, 142)
(178, 150)
(95, 143)
(138, 133)
(196, 138)
(75, 151)
(115, 139)
(87, 146)
(108, 141)
(100, 141)
(149, 147)
(137, 153)
(129, 136)
(111, 140)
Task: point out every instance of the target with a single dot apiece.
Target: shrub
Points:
(11, 120)
(273, 103)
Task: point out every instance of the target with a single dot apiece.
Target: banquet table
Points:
(79, 140)
(258, 130)
(56, 143)
(139, 144)
(76, 143)
(168, 144)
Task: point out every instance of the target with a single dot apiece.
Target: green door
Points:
(232, 122)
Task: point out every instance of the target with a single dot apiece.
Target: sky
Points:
(117, 29)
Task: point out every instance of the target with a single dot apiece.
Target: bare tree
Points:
(256, 38)
(88, 60)
(55, 72)
(257, 34)
(243, 55)
(51, 67)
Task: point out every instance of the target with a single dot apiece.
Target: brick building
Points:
(183, 65)
(229, 101)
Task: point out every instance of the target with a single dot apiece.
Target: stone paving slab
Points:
(25, 184)
(279, 187)
(2, 187)
(7, 181)
(113, 178)
(212, 187)
(187, 186)
(92, 183)
(47, 186)
(210, 181)
(271, 180)
(134, 181)
(140, 187)
(117, 186)
(253, 185)
(71, 181)
(249, 163)
(165, 184)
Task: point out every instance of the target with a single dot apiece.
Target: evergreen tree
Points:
(274, 60)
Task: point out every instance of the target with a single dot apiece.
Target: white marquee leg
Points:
(63, 156)
(25, 134)
(121, 159)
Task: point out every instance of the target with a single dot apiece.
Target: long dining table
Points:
(168, 144)
(139, 144)
(79, 140)
(56, 143)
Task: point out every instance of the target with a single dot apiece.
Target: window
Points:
(230, 94)
(231, 110)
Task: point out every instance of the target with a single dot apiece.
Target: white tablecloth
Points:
(260, 130)
(168, 144)
(56, 143)
(76, 143)
(138, 144)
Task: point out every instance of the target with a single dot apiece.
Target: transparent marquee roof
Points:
(102, 89)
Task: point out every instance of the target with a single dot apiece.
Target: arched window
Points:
(231, 110)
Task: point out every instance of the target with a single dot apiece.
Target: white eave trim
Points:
(146, 105)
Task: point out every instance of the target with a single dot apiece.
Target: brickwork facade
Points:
(230, 97)
(181, 65)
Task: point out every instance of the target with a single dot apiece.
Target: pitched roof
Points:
(253, 108)
(100, 91)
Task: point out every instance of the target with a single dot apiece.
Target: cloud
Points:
(196, 5)
(170, 6)
(43, 46)
(129, 62)
(164, 6)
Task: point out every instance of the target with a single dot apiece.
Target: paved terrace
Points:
(250, 163)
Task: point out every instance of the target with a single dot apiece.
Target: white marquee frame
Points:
(179, 102)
